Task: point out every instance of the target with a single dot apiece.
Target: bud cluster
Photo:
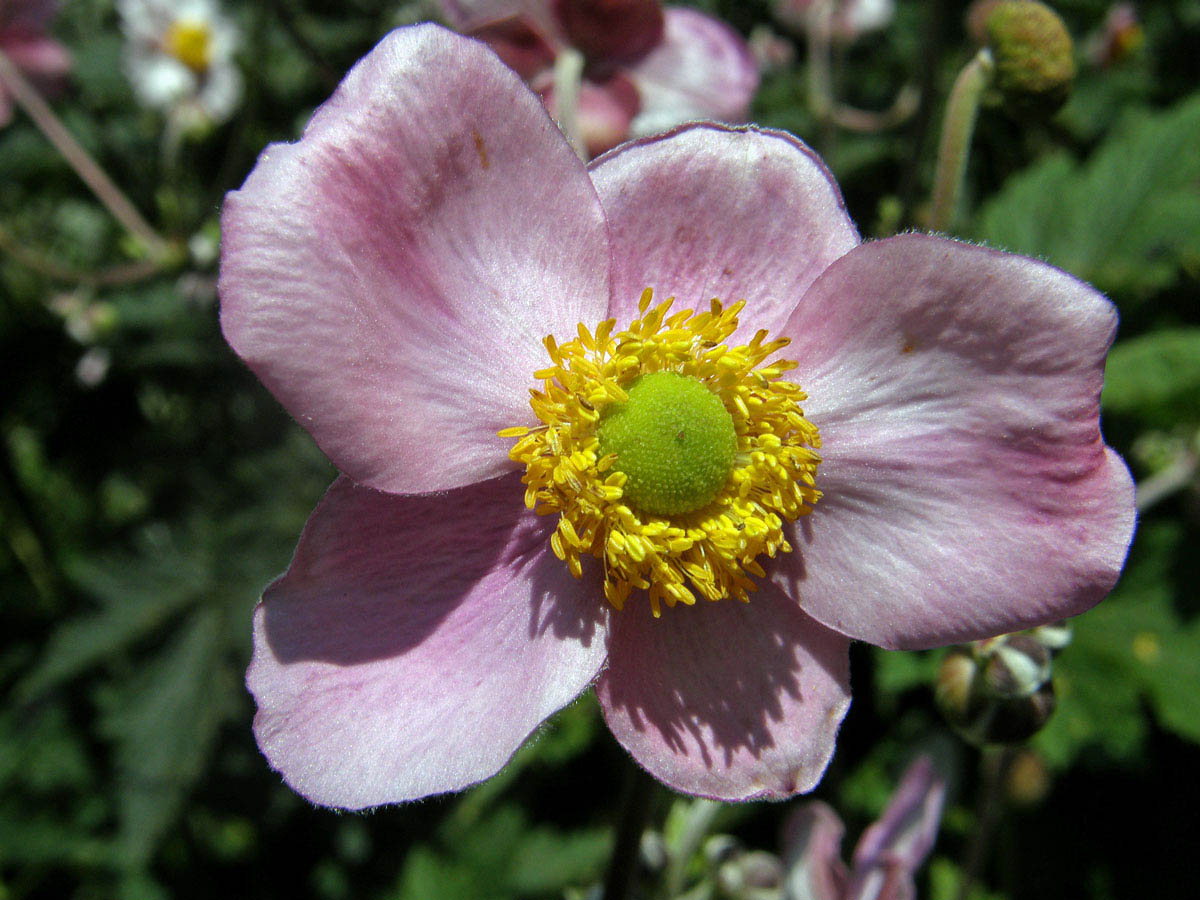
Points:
(999, 690)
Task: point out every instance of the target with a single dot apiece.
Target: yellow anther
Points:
(710, 552)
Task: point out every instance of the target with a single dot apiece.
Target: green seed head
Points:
(1035, 60)
(674, 440)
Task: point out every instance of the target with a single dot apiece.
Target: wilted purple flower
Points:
(393, 278)
(886, 857)
(23, 39)
(647, 68)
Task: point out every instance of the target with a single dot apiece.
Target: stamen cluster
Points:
(711, 551)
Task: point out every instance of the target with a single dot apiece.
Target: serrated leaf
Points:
(1126, 220)
(162, 724)
(139, 594)
(1131, 648)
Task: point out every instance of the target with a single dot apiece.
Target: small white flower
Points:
(180, 58)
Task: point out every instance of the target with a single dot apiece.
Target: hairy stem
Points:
(962, 109)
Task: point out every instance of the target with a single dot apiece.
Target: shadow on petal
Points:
(375, 573)
(727, 699)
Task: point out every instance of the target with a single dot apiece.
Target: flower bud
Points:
(1034, 56)
(1017, 667)
(997, 691)
(1054, 636)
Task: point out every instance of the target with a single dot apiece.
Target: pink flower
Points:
(392, 276)
(886, 857)
(23, 40)
(648, 68)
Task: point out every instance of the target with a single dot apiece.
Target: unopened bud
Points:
(1054, 636)
(1017, 667)
(997, 691)
(720, 848)
(1034, 56)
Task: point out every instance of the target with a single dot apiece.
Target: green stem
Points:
(72, 151)
(994, 763)
(962, 109)
(568, 79)
(635, 808)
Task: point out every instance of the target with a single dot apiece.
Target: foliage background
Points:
(142, 516)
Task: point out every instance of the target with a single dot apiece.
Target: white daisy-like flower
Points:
(180, 58)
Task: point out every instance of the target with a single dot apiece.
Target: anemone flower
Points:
(23, 39)
(886, 857)
(647, 68)
(555, 476)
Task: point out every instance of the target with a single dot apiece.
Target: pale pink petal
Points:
(714, 211)
(702, 69)
(890, 850)
(812, 848)
(605, 110)
(727, 700)
(415, 642)
(520, 45)
(967, 488)
(390, 277)
(40, 57)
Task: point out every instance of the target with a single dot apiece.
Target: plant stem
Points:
(102, 186)
(635, 808)
(962, 109)
(568, 79)
(994, 763)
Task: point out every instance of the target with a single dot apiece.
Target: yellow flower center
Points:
(669, 455)
(191, 44)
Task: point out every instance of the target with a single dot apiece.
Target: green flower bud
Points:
(1034, 57)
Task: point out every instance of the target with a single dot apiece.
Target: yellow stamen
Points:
(711, 551)
(191, 44)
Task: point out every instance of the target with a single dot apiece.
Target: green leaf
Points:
(139, 594)
(1131, 648)
(1128, 220)
(162, 724)
(1155, 378)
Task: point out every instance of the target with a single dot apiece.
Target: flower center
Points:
(667, 454)
(191, 44)
(673, 439)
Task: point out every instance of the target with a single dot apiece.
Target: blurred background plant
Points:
(149, 488)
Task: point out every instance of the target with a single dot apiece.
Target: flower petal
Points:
(390, 277)
(890, 851)
(967, 489)
(812, 847)
(714, 211)
(702, 69)
(727, 700)
(415, 642)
